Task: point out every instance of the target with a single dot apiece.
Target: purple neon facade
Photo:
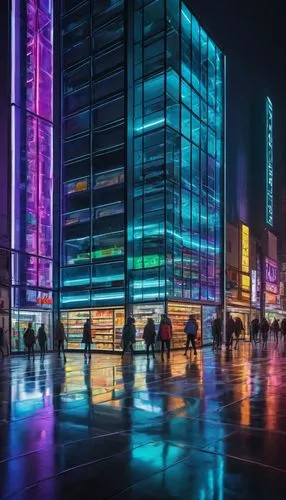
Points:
(31, 146)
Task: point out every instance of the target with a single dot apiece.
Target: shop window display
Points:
(19, 324)
(141, 313)
(179, 315)
(106, 328)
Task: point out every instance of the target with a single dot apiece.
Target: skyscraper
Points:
(142, 167)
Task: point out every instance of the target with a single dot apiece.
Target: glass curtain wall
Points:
(31, 150)
(93, 154)
(175, 216)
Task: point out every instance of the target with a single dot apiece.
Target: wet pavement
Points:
(207, 428)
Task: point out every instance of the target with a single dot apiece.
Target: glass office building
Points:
(31, 167)
(142, 167)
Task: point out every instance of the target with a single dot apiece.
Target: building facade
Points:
(31, 167)
(142, 168)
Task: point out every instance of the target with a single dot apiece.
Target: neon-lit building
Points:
(31, 175)
(142, 168)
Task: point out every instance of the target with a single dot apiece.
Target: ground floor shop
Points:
(20, 318)
(107, 324)
(244, 313)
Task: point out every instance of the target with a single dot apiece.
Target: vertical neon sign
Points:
(269, 162)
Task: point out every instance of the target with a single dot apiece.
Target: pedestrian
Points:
(165, 335)
(238, 327)
(2, 341)
(254, 330)
(61, 337)
(283, 329)
(129, 336)
(229, 330)
(264, 328)
(275, 328)
(191, 330)
(29, 340)
(216, 333)
(87, 339)
(149, 336)
(42, 339)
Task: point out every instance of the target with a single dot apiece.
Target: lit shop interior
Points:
(107, 324)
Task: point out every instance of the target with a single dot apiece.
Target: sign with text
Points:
(269, 162)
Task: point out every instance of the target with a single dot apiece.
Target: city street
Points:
(207, 428)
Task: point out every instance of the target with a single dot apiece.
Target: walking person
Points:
(275, 327)
(61, 337)
(87, 339)
(2, 341)
(191, 330)
(165, 335)
(254, 330)
(128, 336)
(42, 339)
(216, 333)
(283, 329)
(264, 328)
(229, 330)
(149, 336)
(29, 340)
(238, 327)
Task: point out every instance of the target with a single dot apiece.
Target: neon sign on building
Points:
(269, 162)
(244, 249)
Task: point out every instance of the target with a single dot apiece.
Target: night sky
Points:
(252, 35)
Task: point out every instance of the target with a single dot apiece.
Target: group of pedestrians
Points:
(164, 335)
(30, 340)
(258, 331)
(265, 328)
(233, 329)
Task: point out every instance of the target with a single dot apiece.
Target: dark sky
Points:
(252, 34)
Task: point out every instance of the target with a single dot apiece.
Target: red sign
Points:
(44, 300)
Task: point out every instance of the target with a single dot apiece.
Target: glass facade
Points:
(142, 161)
(31, 155)
(175, 213)
(93, 154)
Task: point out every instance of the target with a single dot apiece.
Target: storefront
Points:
(37, 309)
(106, 328)
(242, 312)
(107, 324)
(19, 323)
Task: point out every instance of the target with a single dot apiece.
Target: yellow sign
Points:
(244, 249)
(245, 282)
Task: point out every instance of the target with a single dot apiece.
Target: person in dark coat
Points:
(61, 337)
(129, 336)
(42, 339)
(216, 333)
(264, 328)
(283, 328)
(191, 330)
(149, 335)
(238, 327)
(165, 335)
(229, 331)
(29, 340)
(275, 327)
(86, 338)
(254, 330)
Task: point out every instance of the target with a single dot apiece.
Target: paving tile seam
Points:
(77, 467)
(238, 426)
(155, 473)
(64, 445)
